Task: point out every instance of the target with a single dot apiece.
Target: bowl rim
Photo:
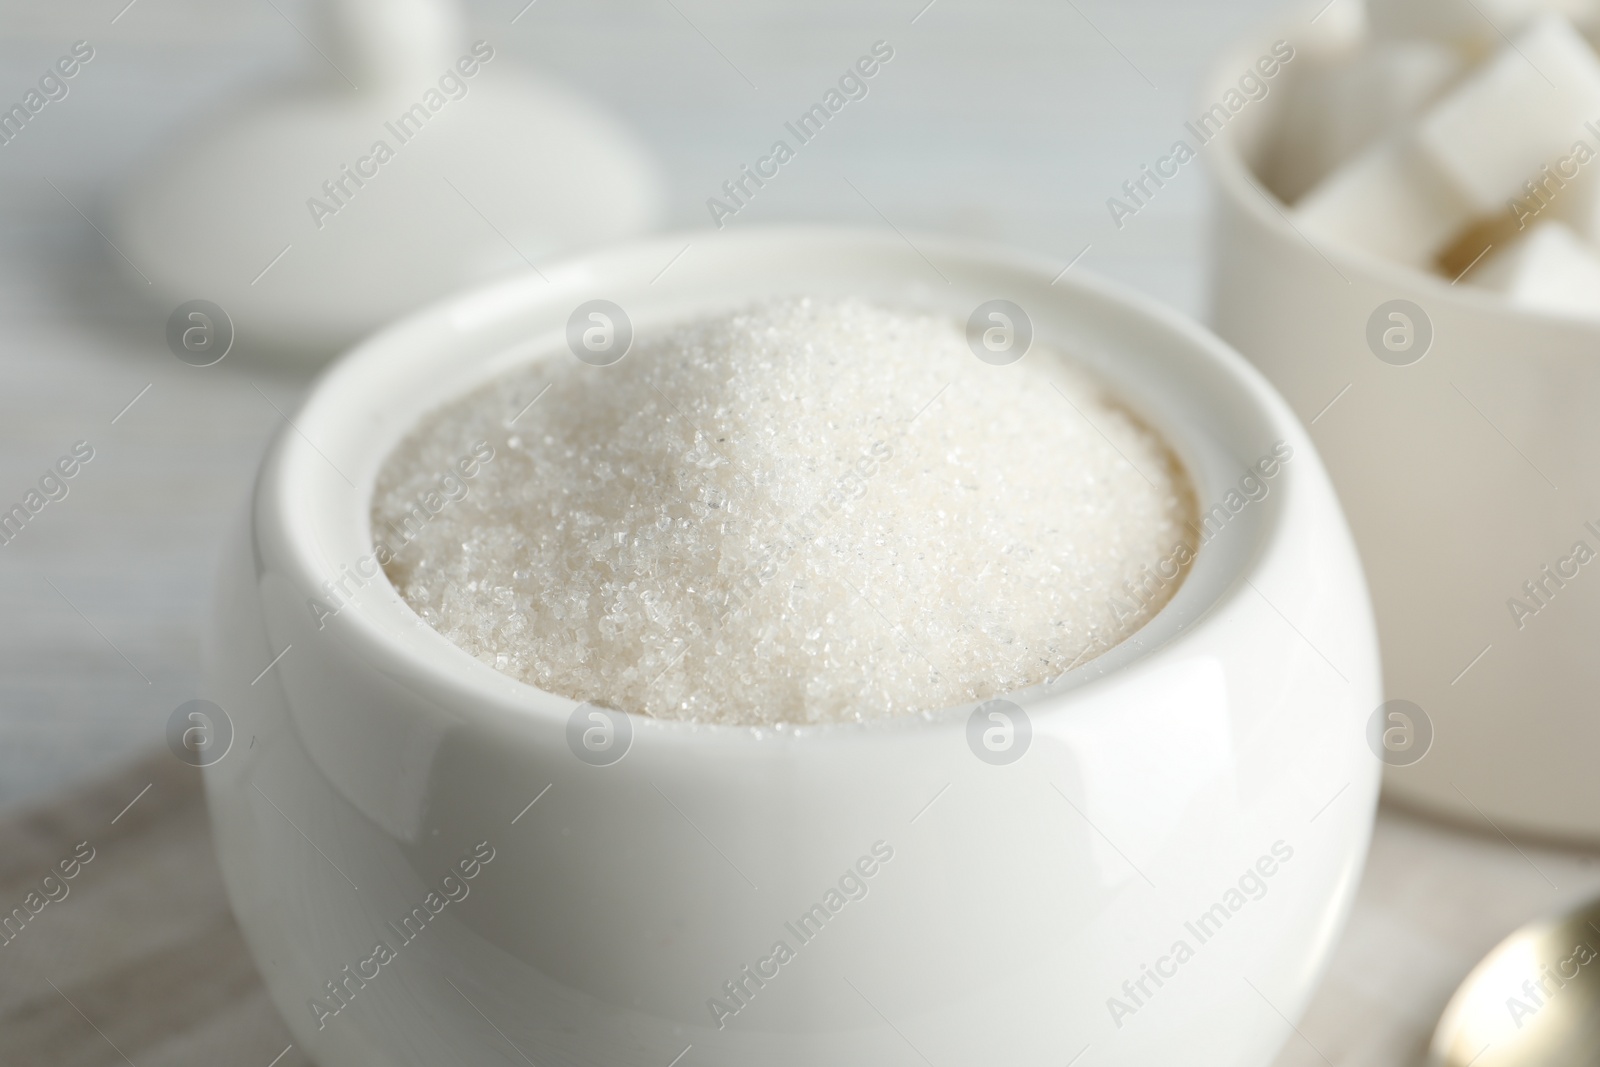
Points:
(1237, 180)
(283, 524)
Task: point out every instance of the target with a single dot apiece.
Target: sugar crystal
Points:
(806, 511)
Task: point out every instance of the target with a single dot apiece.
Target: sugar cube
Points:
(1577, 203)
(1390, 202)
(1549, 268)
(1516, 113)
(1333, 112)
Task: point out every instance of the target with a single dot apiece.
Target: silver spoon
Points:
(1534, 1001)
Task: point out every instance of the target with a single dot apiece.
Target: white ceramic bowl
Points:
(1463, 473)
(1220, 749)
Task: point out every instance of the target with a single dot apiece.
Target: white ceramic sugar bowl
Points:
(1464, 449)
(434, 863)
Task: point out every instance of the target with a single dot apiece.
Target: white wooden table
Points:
(1013, 121)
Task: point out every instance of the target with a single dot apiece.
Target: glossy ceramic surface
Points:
(1467, 467)
(1206, 784)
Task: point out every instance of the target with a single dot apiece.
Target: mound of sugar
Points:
(808, 511)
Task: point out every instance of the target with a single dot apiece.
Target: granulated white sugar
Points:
(807, 511)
